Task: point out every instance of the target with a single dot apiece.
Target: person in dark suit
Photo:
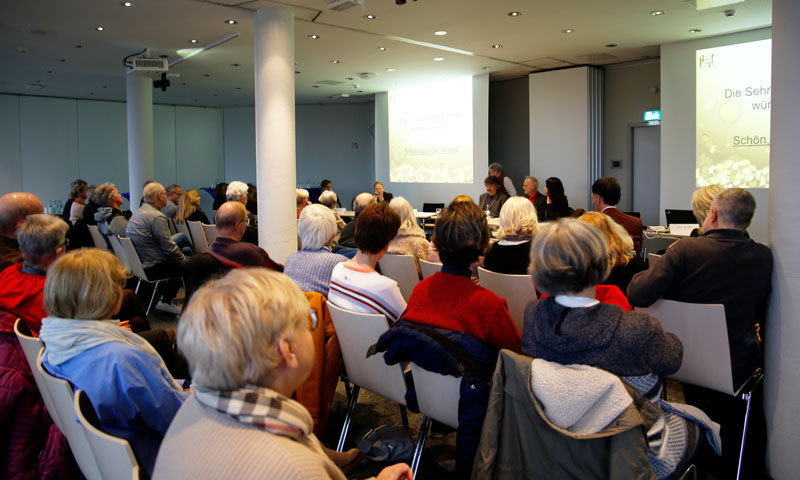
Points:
(494, 198)
(606, 193)
(531, 188)
(380, 195)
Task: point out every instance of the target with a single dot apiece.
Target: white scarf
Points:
(66, 338)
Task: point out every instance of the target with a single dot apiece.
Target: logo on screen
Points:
(706, 61)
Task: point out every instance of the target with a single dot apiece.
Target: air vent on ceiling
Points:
(149, 65)
(596, 57)
(329, 82)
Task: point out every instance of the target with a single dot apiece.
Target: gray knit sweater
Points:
(311, 269)
(603, 336)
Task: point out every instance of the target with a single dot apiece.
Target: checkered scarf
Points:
(261, 407)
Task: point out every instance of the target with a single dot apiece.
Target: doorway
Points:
(645, 161)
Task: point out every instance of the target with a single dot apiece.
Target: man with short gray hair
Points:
(362, 201)
(496, 170)
(330, 200)
(174, 193)
(530, 187)
(14, 207)
(232, 220)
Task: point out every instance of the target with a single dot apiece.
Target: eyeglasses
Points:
(246, 222)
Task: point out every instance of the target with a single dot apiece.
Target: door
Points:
(646, 162)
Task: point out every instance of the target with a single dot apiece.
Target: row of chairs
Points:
(98, 454)
(200, 234)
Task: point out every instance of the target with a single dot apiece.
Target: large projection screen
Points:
(733, 100)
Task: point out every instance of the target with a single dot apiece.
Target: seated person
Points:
(518, 225)
(410, 239)
(174, 193)
(238, 192)
(506, 185)
(219, 195)
(129, 386)
(77, 194)
(448, 299)
(302, 199)
(355, 285)
(189, 208)
(330, 200)
(568, 260)
(312, 266)
(606, 193)
(90, 207)
(327, 186)
(14, 207)
(380, 195)
(110, 219)
(557, 204)
(701, 203)
(75, 188)
(347, 238)
(232, 223)
(620, 245)
(494, 198)
(241, 421)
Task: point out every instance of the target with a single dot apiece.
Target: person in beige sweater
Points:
(248, 343)
(410, 239)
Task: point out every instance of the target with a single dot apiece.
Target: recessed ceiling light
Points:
(193, 41)
(656, 13)
(51, 72)
(231, 22)
(611, 45)
(391, 69)
(127, 4)
(335, 61)
(234, 64)
(695, 30)
(438, 59)
(514, 14)
(99, 28)
(485, 68)
(79, 46)
(359, 91)
(315, 86)
(568, 30)
(238, 88)
(23, 50)
(348, 78)
(183, 83)
(297, 72)
(313, 37)
(62, 60)
(497, 45)
(381, 49)
(206, 75)
(440, 32)
(370, 17)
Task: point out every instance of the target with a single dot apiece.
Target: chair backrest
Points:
(211, 233)
(704, 334)
(429, 268)
(31, 346)
(97, 238)
(114, 455)
(653, 258)
(402, 270)
(518, 291)
(134, 262)
(437, 395)
(63, 402)
(184, 229)
(357, 332)
(198, 236)
(116, 246)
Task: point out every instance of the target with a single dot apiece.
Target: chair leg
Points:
(747, 397)
(155, 289)
(403, 416)
(349, 416)
(423, 436)
(137, 286)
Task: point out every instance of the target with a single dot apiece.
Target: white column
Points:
(141, 166)
(782, 367)
(275, 144)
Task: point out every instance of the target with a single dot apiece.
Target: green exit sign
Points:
(652, 115)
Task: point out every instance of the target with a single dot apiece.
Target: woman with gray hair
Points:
(410, 239)
(110, 219)
(247, 339)
(329, 199)
(311, 267)
(518, 225)
(77, 193)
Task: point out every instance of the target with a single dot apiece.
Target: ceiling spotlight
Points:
(485, 68)
(51, 72)
(99, 28)
(370, 17)
(568, 30)
(438, 59)
(23, 50)
(127, 4)
(335, 61)
(497, 45)
(381, 49)
(79, 46)
(391, 69)
(695, 30)
(611, 45)
(231, 22)
(514, 14)
(234, 64)
(440, 32)
(193, 41)
(313, 37)
(657, 13)
(315, 86)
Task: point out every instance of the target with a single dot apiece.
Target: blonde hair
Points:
(620, 243)
(701, 201)
(408, 221)
(518, 220)
(186, 205)
(84, 284)
(230, 330)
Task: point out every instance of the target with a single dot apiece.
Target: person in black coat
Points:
(557, 204)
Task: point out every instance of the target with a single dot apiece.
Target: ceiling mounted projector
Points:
(340, 5)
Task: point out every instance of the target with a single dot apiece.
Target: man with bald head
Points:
(347, 238)
(161, 258)
(232, 221)
(14, 207)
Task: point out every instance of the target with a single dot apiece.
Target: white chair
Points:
(135, 264)
(211, 233)
(401, 269)
(114, 455)
(357, 332)
(116, 246)
(184, 229)
(63, 402)
(703, 331)
(31, 346)
(429, 268)
(198, 236)
(97, 238)
(437, 396)
(518, 291)
(653, 258)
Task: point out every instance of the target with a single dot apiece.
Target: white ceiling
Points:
(51, 47)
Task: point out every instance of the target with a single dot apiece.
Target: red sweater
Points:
(610, 294)
(453, 302)
(21, 295)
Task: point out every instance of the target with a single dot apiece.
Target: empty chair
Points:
(518, 291)
(135, 265)
(429, 268)
(198, 236)
(97, 238)
(116, 247)
(183, 228)
(402, 270)
(31, 346)
(114, 455)
(357, 332)
(210, 232)
(437, 396)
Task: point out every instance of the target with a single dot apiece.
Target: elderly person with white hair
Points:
(247, 339)
(330, 200)
(110, 219)
(311, 267)
(237, 191)
(518, 225)
(410, 239)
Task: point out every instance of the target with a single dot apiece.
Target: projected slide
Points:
(430, 133)
(733, 115)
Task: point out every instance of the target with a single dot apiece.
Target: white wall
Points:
(678, 126)
(559, 131)
(419, 193)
